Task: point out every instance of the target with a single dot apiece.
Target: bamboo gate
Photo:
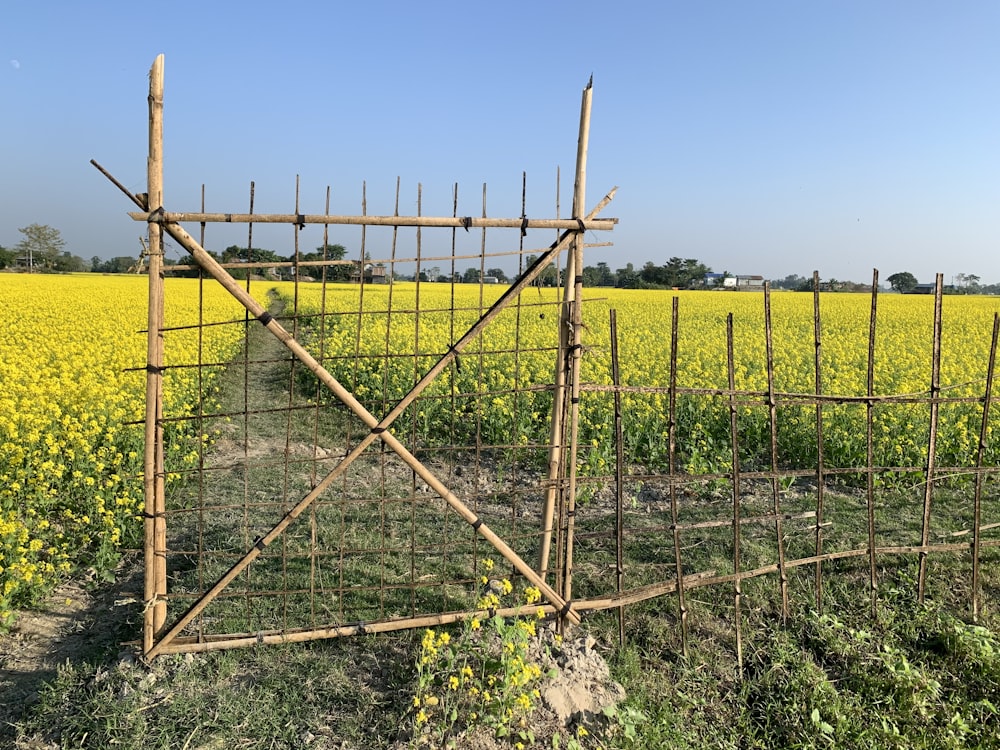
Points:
(340, 521)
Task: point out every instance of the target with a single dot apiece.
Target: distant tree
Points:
(498, 274)
(549, 275)
(904, 281)
(626, 278)
(471, 276)
(41, 246)
(6, 257)
(792, 281)
(340, 272)
(69, 263)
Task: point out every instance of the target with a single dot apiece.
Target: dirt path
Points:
(82, 620)
(86, 619)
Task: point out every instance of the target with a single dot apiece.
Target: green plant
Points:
(483, 676)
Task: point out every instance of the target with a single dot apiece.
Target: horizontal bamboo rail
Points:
(456, 222)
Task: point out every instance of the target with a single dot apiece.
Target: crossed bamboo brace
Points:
(378, 428)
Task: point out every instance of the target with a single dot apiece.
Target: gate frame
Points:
(158, 636)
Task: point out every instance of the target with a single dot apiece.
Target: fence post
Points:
(155, 613)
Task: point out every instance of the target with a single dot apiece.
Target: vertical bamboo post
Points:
(674, 514)
(556, 434)
(574, 327)
(978, 497)
(735, 443)
(870, 449)
(153, 486)
(772, 410)
(619, 473)
(820, 475)
(935, 393)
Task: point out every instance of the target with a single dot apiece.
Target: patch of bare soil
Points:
(79, 621)
(576, 693)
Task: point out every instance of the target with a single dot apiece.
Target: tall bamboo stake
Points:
(820, 478)
(735, 444)
(672, 457)
(574, 276)
(870, 450)
(772, 409)
(935, 393)
(566, 335)
(155, 613)
(981, 449)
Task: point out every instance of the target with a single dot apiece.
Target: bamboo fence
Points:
(350, 521)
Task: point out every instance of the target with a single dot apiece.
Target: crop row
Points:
(72, 356)
(494, 393)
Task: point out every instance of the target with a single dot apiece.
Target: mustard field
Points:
(364, 352)
(72, 383)
(72, 390)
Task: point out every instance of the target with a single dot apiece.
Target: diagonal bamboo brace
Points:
(378, 429)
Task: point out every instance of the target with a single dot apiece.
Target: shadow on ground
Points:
(83, 620)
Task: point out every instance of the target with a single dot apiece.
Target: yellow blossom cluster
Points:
(495, 391)
(483, 675)
(72, 369)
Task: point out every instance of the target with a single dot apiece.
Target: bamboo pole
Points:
(155, 583)
(574, 276)
(735, 444)
(672, 458)
(977, 500)
(772, 411)
(820, 460)
(935, 391)
(566, 334)
(619, 474)
(457, 222)
(870, 451)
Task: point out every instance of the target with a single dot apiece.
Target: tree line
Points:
(42, 249)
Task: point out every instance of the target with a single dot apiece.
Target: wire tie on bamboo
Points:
(155, 370)
(156, 217)
(583, 227)
(301, 221)
(265, 318)
(524, 225)
(466, 222)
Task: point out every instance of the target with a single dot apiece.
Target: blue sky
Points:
(758, 137)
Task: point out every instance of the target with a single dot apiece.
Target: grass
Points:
(910, 676)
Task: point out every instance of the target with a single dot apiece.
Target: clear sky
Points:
(756, 136)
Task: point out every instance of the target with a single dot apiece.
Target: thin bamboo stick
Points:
(576, 333)
(772, 410)
(734, 438)
(619, 475)
(980, 450)
(925, 529)
(672, 458)
(557, 442)
(820, 478)
(153, 481)
(870, 451)
(458, 222)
